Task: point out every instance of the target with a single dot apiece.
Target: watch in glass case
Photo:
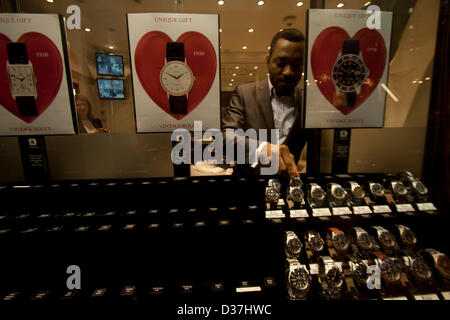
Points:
(358, 269)
(298, 280)
(338, 240)
(314, 241)
(331, 276)
(362, 239)
(420, 269)
(440, 260)
(399, 188)
(407, 236)
(22, 81)
(419, 188)
(390, 269)
(272, 194)
(338, 194)
(295, 191)
(316, 195)
(176, 77)
(385, 238)
(293, 245)
(376, 189)
(356, 190)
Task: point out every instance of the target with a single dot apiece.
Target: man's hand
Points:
(287, 165)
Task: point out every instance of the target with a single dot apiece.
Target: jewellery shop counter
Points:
(345, 237)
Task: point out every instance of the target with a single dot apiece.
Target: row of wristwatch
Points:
(346, 263)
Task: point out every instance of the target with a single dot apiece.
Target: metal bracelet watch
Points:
(385, 238)
(293, 245)
(298, 279)
(358, 269)
(331, 277)
(316, 195)
(273, 191)
(337, 193)
(362, 239)
(407, 236)
(314, 241)
(376, 189)
(295, 191)
(337, 240)
(356, 190)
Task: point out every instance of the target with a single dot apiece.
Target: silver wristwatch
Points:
(362, 239)
(337, 193)
(398, 188)
(273, 191)
(293, 245)
(376, 189)
(315, 241)
(407, 236)
(298, 280)
(295, 191)
(331, 276)
(356, 190)
(385, 238)
(316, 195)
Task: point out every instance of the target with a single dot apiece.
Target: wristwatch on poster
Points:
(362, 239)
(358, 269)
(22, 80)
(349, 72)
(356, 190)
(331, 277)
(176, 77)
(385, 238)
(376, 189)
(293, 245)
(295, 191)
(314, 241)
(390, 269)
(316, 195)
(298, 279)
(338, 194)
(337, 240)
(407, 236)
(440, 260)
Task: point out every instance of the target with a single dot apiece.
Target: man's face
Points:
(286, 65)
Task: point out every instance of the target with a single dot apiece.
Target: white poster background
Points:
(57, 118)
(320, 113)
(149, 116)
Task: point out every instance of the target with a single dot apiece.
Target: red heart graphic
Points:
(324, 54)
(47, 69)
(200, 57)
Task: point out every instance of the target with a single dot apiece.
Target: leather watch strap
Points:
(27, 106)
(178, 104)
(17, 53)
(350, 46)
(175, 51)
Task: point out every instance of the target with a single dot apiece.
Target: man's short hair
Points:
(290, 34)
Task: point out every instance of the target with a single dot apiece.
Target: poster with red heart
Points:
(175, 70)
(35, 95)
(347, 66)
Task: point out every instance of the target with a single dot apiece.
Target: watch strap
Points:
(27, 106)
(178, 104)
(175, 51)
(350, 46)
(351, 99)
(17, 53)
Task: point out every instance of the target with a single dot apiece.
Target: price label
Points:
(431, 296)
(381, 209)
(248, 289)
(301, 213)
(280, 202)
(274, 214)
(361, 210)
(314, 268)
(342, 176)
(446, 295)
(404, 207)
(341, 211)
(396, 298)
(321, 212)
(427, 206)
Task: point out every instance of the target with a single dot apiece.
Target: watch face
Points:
(176, 78)
(408, 237)
(296, 194)
(299, 279)
(360, 273)
(443, 266)
(377, 189)
(317, 194)
(387, 240)
(358, 192)
(274, 183)
(349, 73)
(338, 193)
(421, 269)
(340, 242)
(364, 241)
(390, 270)
(272, 195)
(296, 182)
(21, 79)
(420, 187)
(293, 247)
(399, 188)
(334, 277)
(316, 243)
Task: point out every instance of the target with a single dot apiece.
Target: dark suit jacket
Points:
(250, 107)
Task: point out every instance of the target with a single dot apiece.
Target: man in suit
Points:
(274, 103)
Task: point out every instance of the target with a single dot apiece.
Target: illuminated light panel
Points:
(299, 4)
(250, 30)
(220, 2)
(260, 3)
(340, 5)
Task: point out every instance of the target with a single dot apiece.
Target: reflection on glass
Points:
(86, 122)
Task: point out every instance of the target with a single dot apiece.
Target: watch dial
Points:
(274, 183)
(364, 241)
(408, 237)
(272, 195)
(360, 273)
(334, 277)
(443, 265)
(317, 194)
(316, 243)
(296, 194)
(377, 189)
(293, 247)
(358, 192)
(296, 182)
(22, 80)
(399, 188)
(349, 73)
(340, 242)
(390, 270)
(421, 269)
(420, 187)
(387, 240)
(176, 78)
(339, 193)
(299, 279)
